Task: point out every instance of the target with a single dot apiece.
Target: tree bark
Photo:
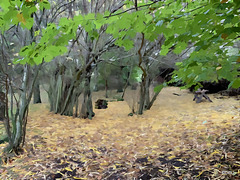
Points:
(142, 96)
(36, 93)
(87, 108)
(106, 88)
(147, 95)
(22, 111)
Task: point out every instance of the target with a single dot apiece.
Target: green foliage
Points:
(18, 11)
(211, 26)
(136, 74)
(158, 88)
(50, 46)
(125, 71)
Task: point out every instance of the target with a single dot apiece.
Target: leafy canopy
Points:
(211, 26)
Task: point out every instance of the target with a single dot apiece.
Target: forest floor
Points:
(176, 139)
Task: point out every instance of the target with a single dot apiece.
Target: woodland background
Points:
(128, 52)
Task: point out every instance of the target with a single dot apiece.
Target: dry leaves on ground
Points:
(176, 139)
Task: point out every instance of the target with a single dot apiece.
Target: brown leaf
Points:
(224, 1)
(21, 18)
(224, 36)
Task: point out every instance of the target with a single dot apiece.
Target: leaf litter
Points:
(176, 139)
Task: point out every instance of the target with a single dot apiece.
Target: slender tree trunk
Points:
(147, 95)
(120, 83)
(36, 93)
(22, 112)
(127, 82)
(58, 95)
(153, 100)
(16, 133)
(76, 107)
(142, 96)
(2, 106)
(106, 88)
(95, 87)
(144, 77)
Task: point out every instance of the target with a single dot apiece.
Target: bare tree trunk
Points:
(144, 78)
(127, 82)
(153, 100)
(36, 93)
(87, 108)
(147, 95)
(2, 106)
(142, 96)
(16, 133)
(120, 83)
(22, 111)
(106, 88)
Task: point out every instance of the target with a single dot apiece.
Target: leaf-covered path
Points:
(176, 139)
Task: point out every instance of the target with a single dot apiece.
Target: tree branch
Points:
(140, 57)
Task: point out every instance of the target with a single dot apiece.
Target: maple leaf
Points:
(21, 18)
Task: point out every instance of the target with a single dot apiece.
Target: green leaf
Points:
(235, 83)
(100, 21)
(128, 44)
(44, 5)
(158, 88)
(164, 50)
(4, 4)
(180, 47)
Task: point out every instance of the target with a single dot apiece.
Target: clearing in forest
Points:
(176, 139)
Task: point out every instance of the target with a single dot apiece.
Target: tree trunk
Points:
(147, 94)
(106, 88)
(36, 93)
(142, 96)
(153, 100)
(87, 108)
(2, 106)
(120, 83)
(95, 86)
(22, 112)
(16, 133)
(127, 82)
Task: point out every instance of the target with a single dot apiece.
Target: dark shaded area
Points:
(101, 104)
(166, 73)
(37, 93)
(213, 87)
(3, 139)
(218, 87)
(2, 106)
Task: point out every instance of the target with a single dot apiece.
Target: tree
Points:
(208, 25)
(17, 19)
(92, 42)
(211, 26)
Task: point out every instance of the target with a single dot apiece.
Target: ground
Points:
(176, 139)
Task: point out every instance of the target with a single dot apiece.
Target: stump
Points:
(199, 94)
(101, 104)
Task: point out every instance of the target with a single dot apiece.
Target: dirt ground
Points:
(176, 139)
